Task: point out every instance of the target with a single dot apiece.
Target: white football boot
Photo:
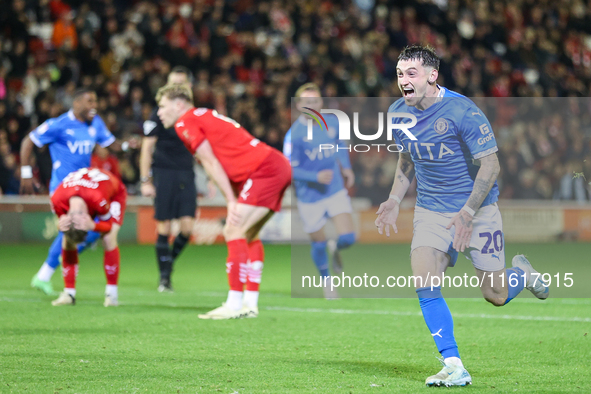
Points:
(110, 301)
(450, 375)
(64, 299)
(250, 312)
(223, 313)
(535, 284)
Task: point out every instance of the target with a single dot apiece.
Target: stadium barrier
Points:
(29, 219)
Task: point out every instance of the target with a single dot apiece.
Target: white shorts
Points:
(487, 245)
(314, 215)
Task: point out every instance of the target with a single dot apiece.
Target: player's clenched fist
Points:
(387, 215)
(324, 177)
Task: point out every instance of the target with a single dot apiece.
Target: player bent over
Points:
(251, 175)
(319, 184)
(84, 195)
(71, 138)
(456, 209)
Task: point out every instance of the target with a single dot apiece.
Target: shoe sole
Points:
(460, 383)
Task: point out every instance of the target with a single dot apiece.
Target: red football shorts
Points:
(266, 185)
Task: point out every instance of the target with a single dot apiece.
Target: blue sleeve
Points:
(287, 145)
(103, 135)
(46, 133)
(476, 132)
(300, 174)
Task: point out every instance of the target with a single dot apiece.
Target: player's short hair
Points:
(307, 87)
(75, 235)
(426, 54)
(78, 93)
(175, 91)
(183, 70)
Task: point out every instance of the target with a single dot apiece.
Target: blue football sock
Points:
(514, 272)
(320, 257)
(90, 238)
(345, 240)
(439, 320)
(55, 251)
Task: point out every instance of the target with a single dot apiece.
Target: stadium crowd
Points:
(248, 58)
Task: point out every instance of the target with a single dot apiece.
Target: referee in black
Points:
(171, 182)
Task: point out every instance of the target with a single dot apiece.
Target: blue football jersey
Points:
(452, 135)
(71, 143)
(307, 159)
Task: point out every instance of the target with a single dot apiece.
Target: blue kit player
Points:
(71, 138)
(456, 165)
(320, 177)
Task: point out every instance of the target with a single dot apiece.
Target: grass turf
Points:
(155, 343)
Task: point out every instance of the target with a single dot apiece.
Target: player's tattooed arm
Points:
(406, 166)
(485, 179)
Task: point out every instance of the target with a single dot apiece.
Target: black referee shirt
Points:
(170, 152)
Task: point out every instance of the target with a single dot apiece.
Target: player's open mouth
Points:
(92, 113)
(408, 92)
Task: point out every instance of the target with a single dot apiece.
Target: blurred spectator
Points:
(64, 33)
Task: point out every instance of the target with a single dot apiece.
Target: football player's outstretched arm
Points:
(217, 173)
(26, 170)
(215, 170)
(388, 211)
(485, 179)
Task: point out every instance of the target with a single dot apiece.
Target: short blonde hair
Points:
(310, 86)
(174, 91)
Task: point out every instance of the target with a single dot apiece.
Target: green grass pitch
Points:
(155, 343)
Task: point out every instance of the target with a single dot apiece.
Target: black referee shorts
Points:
(176, 194)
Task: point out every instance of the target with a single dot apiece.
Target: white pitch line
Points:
(419, 314)
(357, 311)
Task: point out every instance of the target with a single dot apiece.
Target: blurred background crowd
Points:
(248, 58)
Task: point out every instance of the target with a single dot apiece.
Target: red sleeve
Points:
(189, 130)
(103, 227)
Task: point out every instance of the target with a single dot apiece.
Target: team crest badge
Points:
(441, 126)
(91, 131)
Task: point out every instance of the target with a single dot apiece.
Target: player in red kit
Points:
(251, 175)
(85, 195)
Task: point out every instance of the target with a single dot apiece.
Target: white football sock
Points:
(454, 361)
(45, 272)
(251, 298)
(71, 292)
(111, 291)
(234, 300)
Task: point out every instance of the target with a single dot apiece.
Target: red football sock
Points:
(111, 264)
(236, 266)
(256, 255)
(70, 268)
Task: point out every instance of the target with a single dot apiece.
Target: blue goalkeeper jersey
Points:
(71, 143)
(307, 159)
(452, 135)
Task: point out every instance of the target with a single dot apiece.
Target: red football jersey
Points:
(98, 188)
(239, 153)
